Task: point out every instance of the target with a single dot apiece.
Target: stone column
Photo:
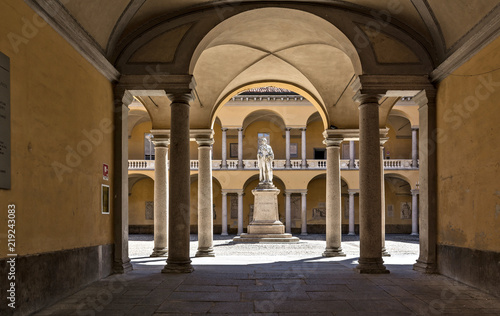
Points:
(240, 212)
(240, 148)
(304, 148)
(224, 148)
(426, 261)
(288, 213)
(414, 212)
(287, 149)
(370, 217)
(351, 212)
(303, 201)
(179, 196)
(224, 213)
(205, 197)
(333, 198)
(161, 142)
(121, 262)
(414, 150)
(352, 156)
(383, 140)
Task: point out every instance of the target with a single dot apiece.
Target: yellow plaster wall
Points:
(391, 198)
(217, 146)
(56, 97)
(314, 138)
(141, 192)
(217, 200)
(250, 141)
(398, 148)
(468, 153)
(136, 141)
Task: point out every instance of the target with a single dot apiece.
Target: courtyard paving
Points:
(277, 279)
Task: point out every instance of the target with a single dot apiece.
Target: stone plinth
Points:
(266, 226)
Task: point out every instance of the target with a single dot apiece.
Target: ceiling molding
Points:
(476, 39)
(127, 15)
(56, 15)
(424, 10)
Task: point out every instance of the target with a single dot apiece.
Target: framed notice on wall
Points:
(4, 122)
(104, 199)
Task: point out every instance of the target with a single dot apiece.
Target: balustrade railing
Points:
(279, 164)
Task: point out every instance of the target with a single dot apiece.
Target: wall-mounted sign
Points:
(4, 122)
(105, 171)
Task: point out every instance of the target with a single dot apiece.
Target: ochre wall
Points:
(314, 138)
(136, 141)
(396, 192)
(250, 141)
(142, 191)
(396, 147)
(56, 97)
(217, 200)
(468, 153)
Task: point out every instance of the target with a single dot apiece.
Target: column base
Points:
(385, 253)
(351, 234)
(205, 252)
(424, 267)
(178, 267)
(223, 234)
(122, 267)
(159, 252)
(303, 234)
(371, 266)
(333, 252)
(414, 234)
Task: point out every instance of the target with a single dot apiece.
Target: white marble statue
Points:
(265, 158)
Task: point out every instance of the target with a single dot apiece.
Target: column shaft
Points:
(224, 148)
(288, 213)
(333, 202)
(240, 213)
(205, 199)
(385, 253)
(160, 198)
(414, 212)
(224, 213)
(370, 260)
(414, 150)
(120, 193)
(304, 213)
(240, 148)
(304, 149)
(179, 191)
(287, 149)
(351, 214)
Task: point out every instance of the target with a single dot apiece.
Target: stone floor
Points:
(284, 279)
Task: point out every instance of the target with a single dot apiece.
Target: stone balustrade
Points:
(280, 164)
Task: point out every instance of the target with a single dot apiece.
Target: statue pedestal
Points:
(266, 226)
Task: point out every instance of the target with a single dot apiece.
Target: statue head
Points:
(263, 141)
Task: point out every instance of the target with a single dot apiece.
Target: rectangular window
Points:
(104, 199)
(294, 150)
(319, 153)
(149, 147)
(233, 150)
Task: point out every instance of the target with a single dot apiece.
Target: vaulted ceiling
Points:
(315, 48)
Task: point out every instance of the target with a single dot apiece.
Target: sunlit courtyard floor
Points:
(277, 279)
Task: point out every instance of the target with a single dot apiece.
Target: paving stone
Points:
(231, 307)
(378, 306)
(184, 307)
(204, 297)
(205, 288)
(307, 307)
(143, 310)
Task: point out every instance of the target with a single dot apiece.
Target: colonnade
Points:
(176, 190)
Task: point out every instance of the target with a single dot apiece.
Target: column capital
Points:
(303, 129)
(344, 134)
(240, 129)
(367, 98)
(224, 129)
(353, 191)
(161, 137)
(180, 97)
(415, 128)
(287, 128)
(204, 137)
(415, 191)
